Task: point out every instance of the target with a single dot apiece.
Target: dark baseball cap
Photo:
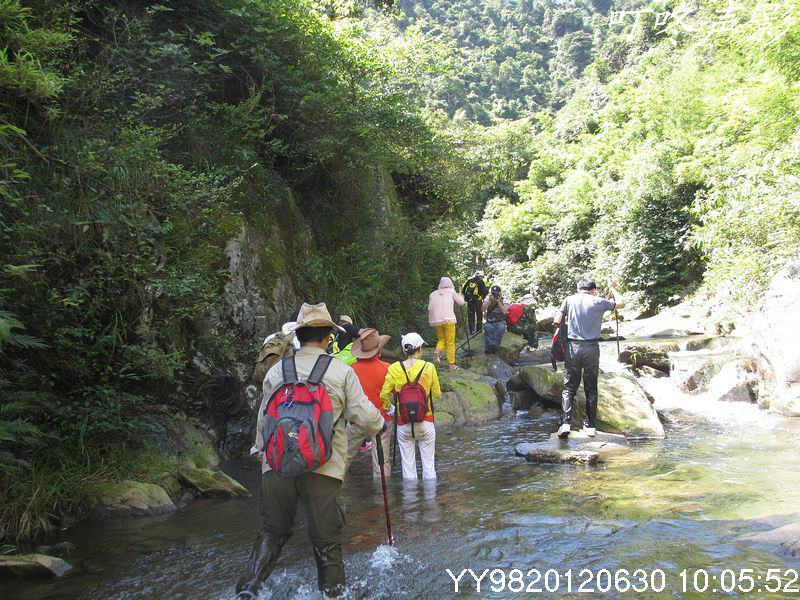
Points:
(587, 284)
(495, 288)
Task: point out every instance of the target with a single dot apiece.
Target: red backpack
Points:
(412, 400)
(299, 421)
(514, 314)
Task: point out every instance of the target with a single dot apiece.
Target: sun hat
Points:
(412, 340)
(346, 319)
(315, 315)
(527, 299)
(479, 273)
(369, 343)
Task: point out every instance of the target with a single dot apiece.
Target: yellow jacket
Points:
(396, 379)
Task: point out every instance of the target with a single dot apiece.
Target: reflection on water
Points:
(672, 504)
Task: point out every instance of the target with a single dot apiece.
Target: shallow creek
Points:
(673, 504)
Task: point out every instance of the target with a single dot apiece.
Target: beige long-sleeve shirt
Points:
(349, 401)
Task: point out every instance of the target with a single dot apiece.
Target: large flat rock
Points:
(33, 565)
(548, 454)
(786, 537)
(623, 407)
(509, 349)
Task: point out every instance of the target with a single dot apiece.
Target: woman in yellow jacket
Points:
(423, 433)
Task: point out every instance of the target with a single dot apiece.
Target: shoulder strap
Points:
(320, 368)
(419, 375)
(402, 366)
(289, 370)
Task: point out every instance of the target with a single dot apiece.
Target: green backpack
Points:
(280, 346)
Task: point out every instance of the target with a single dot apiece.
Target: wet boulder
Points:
(211, 482)
(132, 498)
(693, 372)
(648, 354)
(735, 382)
(466, 398)
(33, 565)
(623, 406)
(775, 348)
(545, 453)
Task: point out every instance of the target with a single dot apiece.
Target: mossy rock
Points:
(623, 406)
(133, 498)
(33, 565)
(465, 399)
(211, 482)
(509, 349)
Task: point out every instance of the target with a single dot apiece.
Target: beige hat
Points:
(369, 343)
(315, 315)
(527, 299)
(346, 319)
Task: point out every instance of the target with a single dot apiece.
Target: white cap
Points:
(479, 273)
(411, 340)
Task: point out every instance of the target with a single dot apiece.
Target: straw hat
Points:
(527, 300)
(369, 344)
(346, 319)
(315, 315)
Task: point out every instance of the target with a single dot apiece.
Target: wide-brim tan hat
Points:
(346, 319)
(527, 299)
(315, 315)
(369, 344)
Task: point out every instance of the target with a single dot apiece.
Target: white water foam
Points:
(384, 557)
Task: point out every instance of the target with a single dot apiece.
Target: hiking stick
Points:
(616, 319)
(473, 336)
(466, 327)
(379, 447)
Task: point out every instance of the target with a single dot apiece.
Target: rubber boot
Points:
(330, 570)
(265, 554)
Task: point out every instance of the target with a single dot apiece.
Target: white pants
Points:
(425, 436)
(356, 435)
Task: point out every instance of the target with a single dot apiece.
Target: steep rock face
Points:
(775, 348)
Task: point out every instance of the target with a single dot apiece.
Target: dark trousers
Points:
(581, 357)
(475, 315)
(321, 497)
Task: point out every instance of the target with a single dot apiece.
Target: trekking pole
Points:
(466, 328)
(383, 485)
(616, 319)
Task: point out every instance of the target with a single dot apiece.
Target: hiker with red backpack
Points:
(521, 319)
(411, 386)
(580, 319)
(301, 444)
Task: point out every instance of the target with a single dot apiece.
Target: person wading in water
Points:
(302, 464)
(584, 313)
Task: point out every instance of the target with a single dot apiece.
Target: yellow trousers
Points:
(446, 336)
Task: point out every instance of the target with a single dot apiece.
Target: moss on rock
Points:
(133, 498)
(211, 482)
(465, 399)
(623, 407)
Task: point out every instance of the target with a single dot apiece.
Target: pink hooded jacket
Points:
(440, 303)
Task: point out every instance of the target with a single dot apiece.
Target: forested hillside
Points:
(676, 172)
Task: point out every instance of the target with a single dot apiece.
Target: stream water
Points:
(674, 504)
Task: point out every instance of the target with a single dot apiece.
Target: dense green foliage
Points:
(677, 171)
(137, 140)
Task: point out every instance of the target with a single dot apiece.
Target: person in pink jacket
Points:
(442, 318)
